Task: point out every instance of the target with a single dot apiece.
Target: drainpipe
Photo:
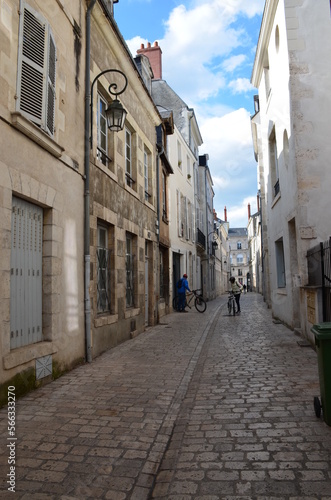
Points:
(87, 257)
(208, 256)
(159, 153)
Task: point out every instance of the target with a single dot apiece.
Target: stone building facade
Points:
(124, 194)
(41, 191)
(291, 130)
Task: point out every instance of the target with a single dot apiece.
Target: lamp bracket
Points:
(112, 89)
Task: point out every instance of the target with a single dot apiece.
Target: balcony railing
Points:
(201, 238)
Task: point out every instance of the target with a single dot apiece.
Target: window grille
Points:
(103, 285)
(103, 271)
(129, 265)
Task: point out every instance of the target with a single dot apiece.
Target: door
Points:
(146, 290)
(176, 275)
(26, 274)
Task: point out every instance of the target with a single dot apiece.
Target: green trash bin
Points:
(322, 332)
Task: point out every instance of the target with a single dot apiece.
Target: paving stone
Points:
(223, 409)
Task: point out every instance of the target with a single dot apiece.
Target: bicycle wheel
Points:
(200, 304)
(229, 306)
(175, 303)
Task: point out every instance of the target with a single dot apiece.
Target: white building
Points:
(291, 131)
(182, 151)
(239, 254)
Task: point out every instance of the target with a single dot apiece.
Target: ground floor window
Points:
(103, 270)
(129, 267)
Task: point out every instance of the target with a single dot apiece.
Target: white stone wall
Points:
(179, 182)
(294, 42)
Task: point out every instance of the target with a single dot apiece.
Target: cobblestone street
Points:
(202, 406)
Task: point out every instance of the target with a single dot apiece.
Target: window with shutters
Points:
(36, 70)
(179, 214)
(184, 216)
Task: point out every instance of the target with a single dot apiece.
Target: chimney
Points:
(225, 215)
(249, 211)
(154, 55)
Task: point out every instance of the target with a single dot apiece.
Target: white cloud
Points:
(241, 86)
(237, 215)
(199, 51)
(135, 43)
(233, 62)
(227, 134)
(228, 141)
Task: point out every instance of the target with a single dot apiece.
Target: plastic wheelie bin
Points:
(322, 333)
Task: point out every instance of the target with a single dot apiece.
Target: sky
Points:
(208, 50)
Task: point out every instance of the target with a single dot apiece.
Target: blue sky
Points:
(208, 49)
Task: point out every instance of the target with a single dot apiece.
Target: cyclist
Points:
(182, 286)
(236, 289)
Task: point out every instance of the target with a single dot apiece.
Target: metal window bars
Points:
(104, 281)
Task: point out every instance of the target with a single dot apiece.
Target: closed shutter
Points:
(179, 213)
(50, 112)
(26, 274)
(36, 70)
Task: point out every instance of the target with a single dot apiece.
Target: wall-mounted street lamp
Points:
(115, 113)
(214, 242)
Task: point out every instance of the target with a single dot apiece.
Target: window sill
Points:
(281, 291)
(108, 319)
(276, 199)
(105, 170)
(36, 134)
(131, 191)
(149, 205)
(131, 313)
(28, 353)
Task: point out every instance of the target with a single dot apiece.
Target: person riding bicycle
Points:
(182, 286)
(236, 290)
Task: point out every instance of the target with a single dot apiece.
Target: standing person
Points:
(182, 286)
(236, 289)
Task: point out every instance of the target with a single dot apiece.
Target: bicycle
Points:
(199, 303)
(231, 304)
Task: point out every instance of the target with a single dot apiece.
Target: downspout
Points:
(87, 257)
(207, 237)
(159, 153)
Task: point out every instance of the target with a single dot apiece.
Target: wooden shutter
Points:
(36, 70)
(50, 105)
(31, 66)
(179, 213)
